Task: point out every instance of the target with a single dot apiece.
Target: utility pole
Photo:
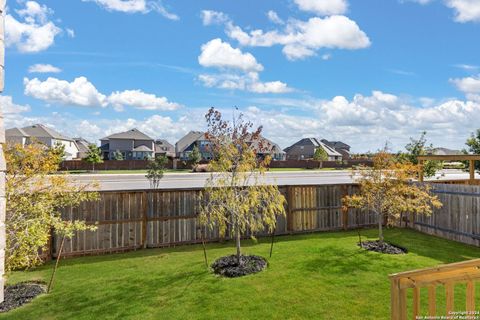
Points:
(2, 158)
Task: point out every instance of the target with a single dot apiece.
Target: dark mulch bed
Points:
(386, 247)
(19, 294)
(228, 266)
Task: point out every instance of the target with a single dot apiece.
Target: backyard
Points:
(314, 276)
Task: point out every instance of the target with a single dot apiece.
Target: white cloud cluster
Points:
(273, 17)
(323, 7)
(43, 68)
(365, 121)
(32, 31)
(300, 39)
(140, 100)
(240, 71)
(81, 92)
(219, 54)
(465, 10)
(210, 17)
(246, 82)
(470, 86)
(135, 6)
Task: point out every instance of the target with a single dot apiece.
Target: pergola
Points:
(471, 158)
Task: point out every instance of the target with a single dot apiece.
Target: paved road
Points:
(197, 180)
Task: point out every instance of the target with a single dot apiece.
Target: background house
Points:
(305, 149)
(340, 147)
(82, 145)
(164, 148)
(264, 147)
(45, 135)
(132, 144)
(184, 146)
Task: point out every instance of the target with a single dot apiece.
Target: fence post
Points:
(290, 200)
(344, 208)
(145, 218)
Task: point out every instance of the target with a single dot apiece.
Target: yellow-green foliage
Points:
(34, 194)
(236, 198)
(386, 188)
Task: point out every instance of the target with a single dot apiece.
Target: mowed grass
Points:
(315, 276)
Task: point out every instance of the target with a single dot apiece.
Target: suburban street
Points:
(111, 182)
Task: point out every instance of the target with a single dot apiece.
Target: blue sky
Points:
(362, 71)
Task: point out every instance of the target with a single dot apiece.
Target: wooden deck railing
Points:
(447, 276)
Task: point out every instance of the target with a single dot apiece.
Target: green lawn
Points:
(315, 276)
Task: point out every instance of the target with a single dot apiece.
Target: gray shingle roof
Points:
(142, 148)
(41, 131)
(133, 134)
(15, 132)
(188, 139)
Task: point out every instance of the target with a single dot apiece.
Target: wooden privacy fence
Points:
(132, 220)
(459, 217)
(447, 277)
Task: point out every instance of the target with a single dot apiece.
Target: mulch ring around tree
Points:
(228, 266)
(21, 293)
(384, 247)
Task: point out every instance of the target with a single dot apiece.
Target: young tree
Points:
(419, 147)
(320, 154)
(236, 198)
(94, 155)
(35, 196)
(386, 188)
(195, 157)
(156, 169)
(117, 155)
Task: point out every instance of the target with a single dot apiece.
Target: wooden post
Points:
(420, 171)
(290, 201)
(394, 300)
(145, 219)
(344, 208)
(472, 171)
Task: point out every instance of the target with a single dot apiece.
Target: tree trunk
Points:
(237, 237)
(50, 284)
(380, 228)
(93, 166)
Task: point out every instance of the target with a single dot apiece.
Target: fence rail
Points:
(446, 276)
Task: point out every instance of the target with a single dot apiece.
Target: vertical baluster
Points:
(450, 294)
(470, 296)
(403, 304)
(416, 302)
(432, 300)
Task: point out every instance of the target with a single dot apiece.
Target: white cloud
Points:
(465, 10)
(467, 67)
(70, 32)
(219, 54)
(135, 6)
(246, 82)
(81, 92)
(240, 70)
(43, 68)
(140, 100)
(468, 84)
(301, 39)
(210, 17)
(273, 17)
(11, 108)
(32, 32)
(323, 7)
